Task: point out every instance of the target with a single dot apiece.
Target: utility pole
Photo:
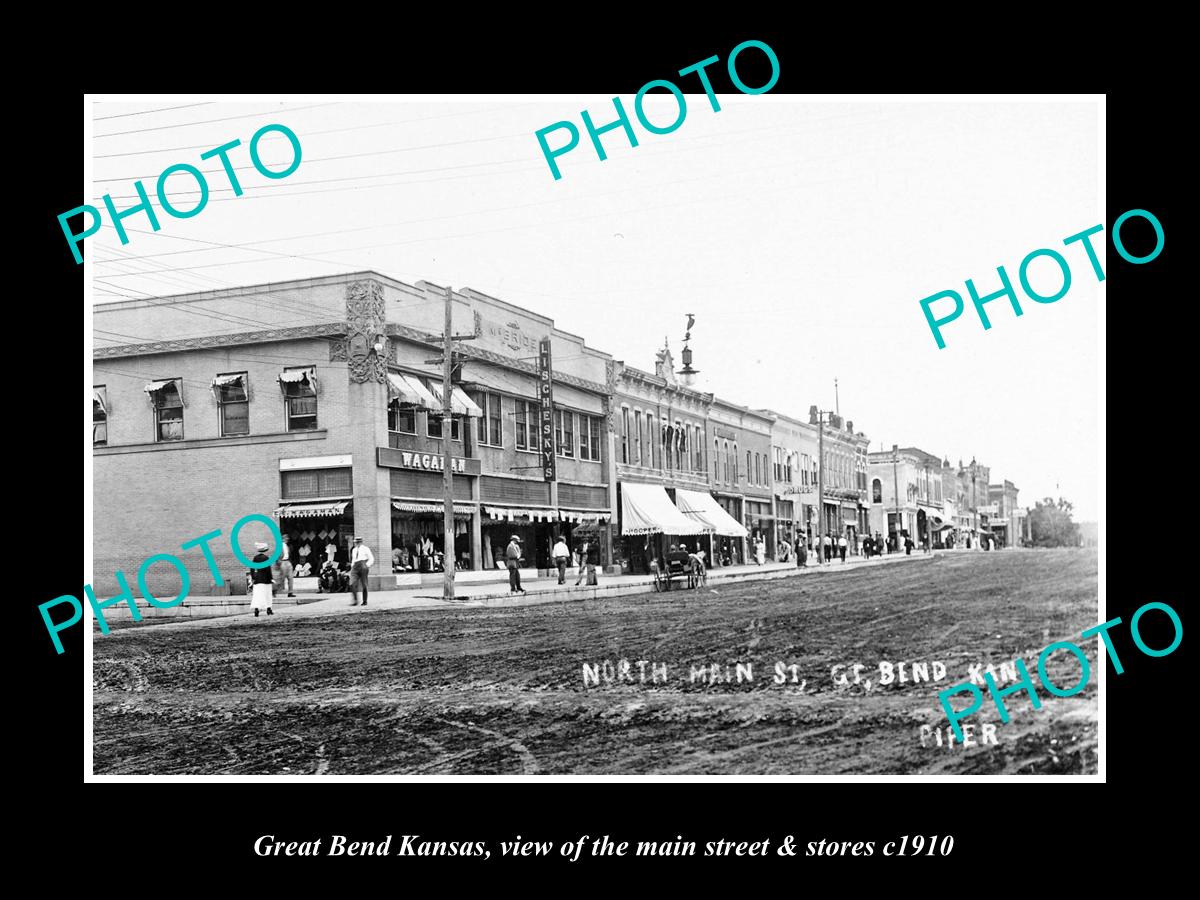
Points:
(447, 458)
(820, 485)
(896, 488)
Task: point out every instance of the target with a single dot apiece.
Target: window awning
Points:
(408, 389)
(100, 400)
(545, 514)
(297, 376)
(222, 380)
(318, 508)
(460, 403)
(155, 388)
(704, 508)
(410, 506)
(534, 514)
(646, 509)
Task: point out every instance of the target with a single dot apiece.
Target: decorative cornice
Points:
(330, 329)
(488, 356)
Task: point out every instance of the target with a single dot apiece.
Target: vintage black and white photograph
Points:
(706, 431)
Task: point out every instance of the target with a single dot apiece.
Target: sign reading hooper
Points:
(546, 411)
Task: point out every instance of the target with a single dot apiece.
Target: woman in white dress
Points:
(760, 551)
(262, 591)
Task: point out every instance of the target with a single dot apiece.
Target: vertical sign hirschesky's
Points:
(546, 410)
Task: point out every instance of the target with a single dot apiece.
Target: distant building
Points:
(845, 466)
(1005, 522)
(906, 496)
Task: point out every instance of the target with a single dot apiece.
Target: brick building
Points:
(793, 471)
(741, 474)
(845, 478)
(660, 449)
(317, 402)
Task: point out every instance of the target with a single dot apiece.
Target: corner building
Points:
(318, 402)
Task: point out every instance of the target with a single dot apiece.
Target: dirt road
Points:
(487, 691)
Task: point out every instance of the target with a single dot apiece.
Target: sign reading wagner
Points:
(546, 410)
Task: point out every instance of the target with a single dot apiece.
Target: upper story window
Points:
(433, 425)
(99, 416)
(624, 435)
(300, 397)
(526, 425)
(564, 432)
(488, 428)
(589, 438)
(233, 403)
(876, 491)
(402, 417)
(166, 397)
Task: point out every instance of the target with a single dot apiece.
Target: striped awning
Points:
(320, 508)
(460, 403)
(413, 506)
(100, 400)
(409, 389)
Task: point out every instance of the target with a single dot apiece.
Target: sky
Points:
(800, 233)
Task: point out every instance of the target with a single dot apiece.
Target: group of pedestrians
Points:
(263, 580)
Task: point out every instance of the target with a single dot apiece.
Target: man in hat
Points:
(361, 560)
(513, 555)
(262, 582)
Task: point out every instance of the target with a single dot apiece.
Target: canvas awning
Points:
(409, 389)
(100, 400)
(410, 506)
(704, 508)
(298, 376)
(320, 508)
(222, 380)
(155, 388)
(460, 403)
(646, 509)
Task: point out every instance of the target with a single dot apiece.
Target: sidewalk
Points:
(472, 596)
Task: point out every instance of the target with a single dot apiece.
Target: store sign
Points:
(546, 410)
(990, 510)
(391, 458)
(798, 489)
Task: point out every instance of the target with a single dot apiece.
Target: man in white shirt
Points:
(361, 560)
(561, 556)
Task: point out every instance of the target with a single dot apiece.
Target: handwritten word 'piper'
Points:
(1083, 237)
(98, 606)
(622, 120)
(222, 152)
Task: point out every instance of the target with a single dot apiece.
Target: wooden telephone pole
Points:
(447, 361)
